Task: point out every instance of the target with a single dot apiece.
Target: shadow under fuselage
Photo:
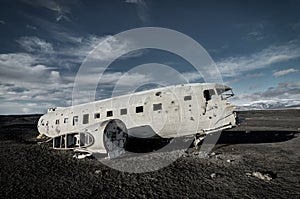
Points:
(255, 137)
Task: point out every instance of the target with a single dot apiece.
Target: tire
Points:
(115, 138)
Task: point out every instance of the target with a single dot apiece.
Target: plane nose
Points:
(41, 125)
(40, 122)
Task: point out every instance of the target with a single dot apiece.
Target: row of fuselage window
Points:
(138, 109)
(123, 111)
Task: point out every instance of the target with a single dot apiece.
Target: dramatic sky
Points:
(255, 44)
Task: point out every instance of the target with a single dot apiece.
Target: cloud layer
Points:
(237, 66)
(50, 39)
(290, 91)
(285, 72)
(41, 77)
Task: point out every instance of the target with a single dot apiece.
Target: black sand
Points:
(267, 142)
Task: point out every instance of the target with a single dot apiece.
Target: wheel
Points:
(115, 138)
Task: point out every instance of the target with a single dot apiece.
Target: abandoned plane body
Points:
(168, 112)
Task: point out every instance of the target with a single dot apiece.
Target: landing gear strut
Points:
(198, 139)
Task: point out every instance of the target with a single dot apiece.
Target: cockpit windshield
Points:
(225, 92)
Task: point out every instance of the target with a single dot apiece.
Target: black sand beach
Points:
(258, 159)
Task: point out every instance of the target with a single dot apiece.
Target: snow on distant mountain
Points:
(271, 104)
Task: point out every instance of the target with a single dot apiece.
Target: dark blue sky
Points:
(255, 45)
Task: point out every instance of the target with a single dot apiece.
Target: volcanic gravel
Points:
(267, 143)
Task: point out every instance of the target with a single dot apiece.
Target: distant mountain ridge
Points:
(271, 104)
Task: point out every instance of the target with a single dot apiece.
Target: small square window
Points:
(157, 107)
(208, 94)
(97, 115)
(57, 122)
(187, 98)
(75, 120)
(139, 109)
(123, 111)
(85, 119)
(109, 114)
(66, 120)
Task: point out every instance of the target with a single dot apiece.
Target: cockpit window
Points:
(225, 92)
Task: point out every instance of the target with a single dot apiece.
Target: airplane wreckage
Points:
(103, 127)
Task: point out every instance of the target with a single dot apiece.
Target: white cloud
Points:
(254, 35)
(123, 79)
(142, 9)
(59, 32)
(191, 76)
(27, 83)
(31, 27)
(110, 47)
(236, 66)
(61, 10)
(30, 85)
(117, 82)
(285, 72)
(35, 44)
(256, 31)
(73, 48)
(86, 47)
(287, 90)
(65, 37)
(23, 69)
(31, 78)
(76, 49)
(244, 77)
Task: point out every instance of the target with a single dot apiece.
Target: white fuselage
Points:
(172, 111)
